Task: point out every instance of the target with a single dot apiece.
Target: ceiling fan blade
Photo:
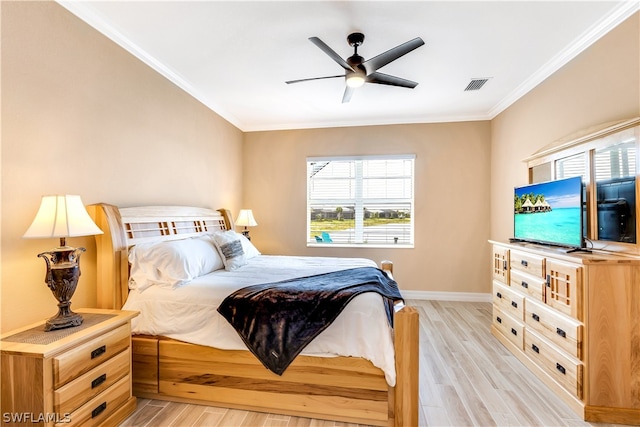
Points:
(348, 91)
(313, 78)
(386, 79)
(326, 49)
(383, 59)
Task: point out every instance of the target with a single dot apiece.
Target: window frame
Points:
(358, 199)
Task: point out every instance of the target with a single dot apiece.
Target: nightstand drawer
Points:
(98, 409)
(530, 263)
(87, 356)
(77, 392)
(509, 327)
(563, 331)
(563, 368)
(530, 285)
(509, 301)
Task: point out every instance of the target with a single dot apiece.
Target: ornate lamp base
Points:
(64, 319)
(63, 272)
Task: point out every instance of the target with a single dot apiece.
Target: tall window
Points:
(360, 200)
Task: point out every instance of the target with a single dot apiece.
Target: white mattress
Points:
(189, 313)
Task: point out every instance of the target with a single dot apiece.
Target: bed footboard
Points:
(344, 389)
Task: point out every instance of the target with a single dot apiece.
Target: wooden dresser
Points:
(573, 320)
(73, 376)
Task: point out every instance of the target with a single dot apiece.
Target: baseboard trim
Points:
(448, 296)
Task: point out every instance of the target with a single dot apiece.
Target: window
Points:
(360, 200)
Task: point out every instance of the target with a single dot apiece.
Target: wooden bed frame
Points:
(346, 389)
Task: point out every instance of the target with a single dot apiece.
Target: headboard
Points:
(125, 227)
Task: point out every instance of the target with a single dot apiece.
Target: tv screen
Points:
(549, 212)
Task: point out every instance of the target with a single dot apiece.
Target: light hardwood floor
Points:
(467, 378)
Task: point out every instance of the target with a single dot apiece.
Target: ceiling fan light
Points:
(355, 80)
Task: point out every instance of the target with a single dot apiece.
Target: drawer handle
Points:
(514, 332)
(535, 348)
(498, 294)
(525, 285)
(95, 383)
(499, 319)
(98, 351)
(560, 368)
(514, 304)
(560, 332)
(99, 410)
(535, 317)
(524, 263)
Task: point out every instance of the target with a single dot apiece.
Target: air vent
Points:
(476, 84)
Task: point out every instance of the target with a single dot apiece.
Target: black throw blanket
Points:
(277, 320)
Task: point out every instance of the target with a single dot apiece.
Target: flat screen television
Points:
(549, 213)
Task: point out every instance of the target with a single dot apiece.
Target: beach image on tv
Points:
(549, 212)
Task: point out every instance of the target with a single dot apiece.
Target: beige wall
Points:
(82, 116)
(451, 197)
(600, 85)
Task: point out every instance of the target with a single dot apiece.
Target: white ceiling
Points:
(235, 56)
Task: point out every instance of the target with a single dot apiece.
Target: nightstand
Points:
(73, 376)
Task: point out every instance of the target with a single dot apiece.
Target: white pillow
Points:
(231, 248)
(172, 263)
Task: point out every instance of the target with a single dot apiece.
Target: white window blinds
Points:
(360, 200)
(617, 161)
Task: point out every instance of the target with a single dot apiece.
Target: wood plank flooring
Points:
(467, 378)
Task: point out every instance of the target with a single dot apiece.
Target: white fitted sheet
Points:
(189, 313)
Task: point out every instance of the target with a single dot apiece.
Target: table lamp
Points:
(62, 216)
(245, 218)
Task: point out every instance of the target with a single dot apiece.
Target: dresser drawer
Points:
(87, 356)
(98, 409)
(566, 370)
(509, 327)
(532, 286)
(529, 263)
(563, 331)
(75, 393)
(508, 301)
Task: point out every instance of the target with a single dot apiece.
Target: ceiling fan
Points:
(358, 71)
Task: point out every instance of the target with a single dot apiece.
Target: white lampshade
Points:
(245, 218)
(61, 216)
